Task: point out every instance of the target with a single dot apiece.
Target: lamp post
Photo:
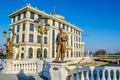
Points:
(41, 28)
(9, 42)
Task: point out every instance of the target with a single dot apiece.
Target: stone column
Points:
(58, 71)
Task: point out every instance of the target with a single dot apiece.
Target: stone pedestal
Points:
(7, 66)
(58, 71)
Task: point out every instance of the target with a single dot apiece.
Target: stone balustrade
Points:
(94, 72)
(26, 66)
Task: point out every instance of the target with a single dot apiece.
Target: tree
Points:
(101, 52)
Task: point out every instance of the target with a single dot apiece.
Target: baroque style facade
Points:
(28, 40)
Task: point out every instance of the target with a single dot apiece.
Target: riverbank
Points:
(94, 63)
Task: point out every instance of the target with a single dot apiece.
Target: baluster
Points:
(98, 75)
(119, 74)
(24, 67)
(19, 66)
(72, 77)
(82, 75)
(87, 75)
(32, 66)
(13, 70)
(114, 74)
(77, 75)
(109, 77)
(27, 66)
(35, 66)
(103, 75)
(92, 76)
(15, 67)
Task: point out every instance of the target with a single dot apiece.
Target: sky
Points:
(99, 19)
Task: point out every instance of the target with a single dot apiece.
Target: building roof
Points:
(54, 15)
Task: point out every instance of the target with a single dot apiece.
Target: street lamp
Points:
(41, 27)
(9, 42)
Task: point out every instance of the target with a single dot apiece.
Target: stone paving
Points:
(20, 76)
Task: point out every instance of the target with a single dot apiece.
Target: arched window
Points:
(39, 54)
(30, 53)
(45, 53)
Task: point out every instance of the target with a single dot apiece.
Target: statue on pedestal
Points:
(8, 48)
(61, 39)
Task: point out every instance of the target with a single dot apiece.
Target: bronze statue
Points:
(61, 39)
(8, 48)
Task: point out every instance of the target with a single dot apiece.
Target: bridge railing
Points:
(94, 73)
(28, 66)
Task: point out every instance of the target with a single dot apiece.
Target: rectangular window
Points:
(46, 20)
(30, 37)
(71, 41)
(71, 53)
(13, 29)
(77, 45)
(63, 26)
(23, 26)
(67, 28)
(17, 38)
(53, 22)
(39, 17)
(31, 27)
(76, 38)
(79, 39)
(23, 37)
(45, 40)
(18, 17)
(59, 24)
(24, 15)
(18, 28)
(74, 30)
(45, 31)
(79, 32)
(31, 15)
(38, 39)
(71, 29)
(13, 19)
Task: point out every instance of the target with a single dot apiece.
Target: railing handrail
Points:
(94, 67)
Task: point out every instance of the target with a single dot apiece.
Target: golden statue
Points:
(61, 39)
(8, 48)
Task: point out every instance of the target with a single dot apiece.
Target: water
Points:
(112, 64)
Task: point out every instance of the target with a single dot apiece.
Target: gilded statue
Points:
(61, 39)
(8, 48)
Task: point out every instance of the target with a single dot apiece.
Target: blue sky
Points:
(100, 19)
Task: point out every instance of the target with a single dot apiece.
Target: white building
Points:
(27, 40)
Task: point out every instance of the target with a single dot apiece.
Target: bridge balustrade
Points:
(94, 72)
(28, 66)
